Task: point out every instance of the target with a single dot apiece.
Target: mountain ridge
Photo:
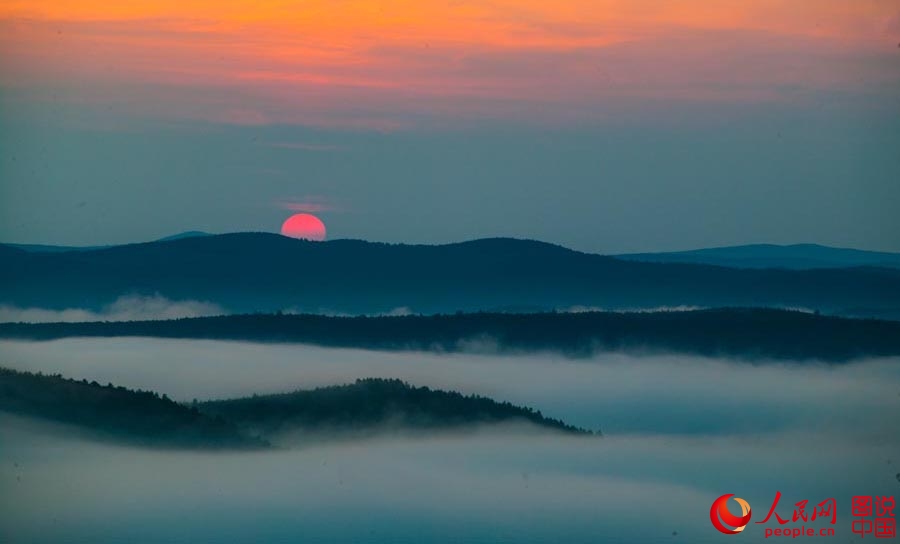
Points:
(372, 403)
(247, 272)
(739, 333)
(793, 256)
(146, 418)
(734, 250)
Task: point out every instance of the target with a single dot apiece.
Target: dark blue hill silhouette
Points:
(372, 404)
(743, 333)
(9, 252)
(266, 272)
(185, 234)
(796, 256)
(141, 417)
(145, 418)
(48, 248)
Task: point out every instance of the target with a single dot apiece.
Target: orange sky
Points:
(511, 22)
(330, 52)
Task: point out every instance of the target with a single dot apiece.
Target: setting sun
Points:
(304, 226)
(594, 270)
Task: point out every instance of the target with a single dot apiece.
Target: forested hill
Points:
(139, 417)
(741, 333)
(147, 419)
(248, 272)
(372, 404)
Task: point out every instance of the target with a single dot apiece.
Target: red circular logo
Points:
(719, 513)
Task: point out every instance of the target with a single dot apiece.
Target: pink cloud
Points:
(305, 146)
(556, 73)
(309, 204)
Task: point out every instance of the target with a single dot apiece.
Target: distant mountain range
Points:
(146, 418)
(750, 334)
(793, 256)
(797, 256)
(247, 272)
(47, 248)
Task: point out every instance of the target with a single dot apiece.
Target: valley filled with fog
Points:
(678, 432)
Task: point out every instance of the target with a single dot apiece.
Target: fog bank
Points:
(679, 432)
(491, 486)
(125, 308)
(617, 393)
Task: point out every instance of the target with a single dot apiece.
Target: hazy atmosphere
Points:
(673, 428)
(462, 271)
(615, 393)
(607, 127)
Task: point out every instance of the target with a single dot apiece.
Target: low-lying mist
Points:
(491, 486)
(679, 432)
(124, 308)
(616, 393)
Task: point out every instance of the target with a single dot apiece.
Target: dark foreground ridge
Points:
(148, 419)
(141, 417)
(372, 403)
(731, 332)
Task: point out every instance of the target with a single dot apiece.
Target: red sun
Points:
(304, 226)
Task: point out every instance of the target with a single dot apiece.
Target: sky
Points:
(603, 125)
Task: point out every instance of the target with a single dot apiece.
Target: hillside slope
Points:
(795, 256)
(750, 334)
(372, 404)
(266, 272)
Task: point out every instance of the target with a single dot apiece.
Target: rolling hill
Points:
(115, 413)
(49, 248)
(795, 256)
(750, 334)
(371, 405)
(147, 419)
(250, 272)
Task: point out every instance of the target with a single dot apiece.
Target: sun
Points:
(304, 226)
